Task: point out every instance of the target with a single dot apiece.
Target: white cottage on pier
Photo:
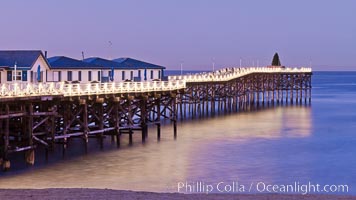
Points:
(71, 70)
(127, 69)
(31, 66)
(28, 66)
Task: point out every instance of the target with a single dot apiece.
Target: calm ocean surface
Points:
(280, 145)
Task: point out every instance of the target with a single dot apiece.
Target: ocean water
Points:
(282, 145)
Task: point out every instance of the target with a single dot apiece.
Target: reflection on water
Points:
(262, 145)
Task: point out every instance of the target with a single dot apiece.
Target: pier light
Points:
(133, 86)
(120, 86)
(43, 90)
(78, 88)
(51, 88)
(113, 87)
(28, 89)
(61, 87)
(128, 87)
(15, 88)
(141, 87)
(136, 86)
(88, 88)
(170, 85)
(40, 88)
(163, 86)
(154, 85)
(3, 90)
(97, 90)
(105, 87)
(70, 89)
(34, 88)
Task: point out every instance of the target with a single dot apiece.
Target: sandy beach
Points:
(76, 193)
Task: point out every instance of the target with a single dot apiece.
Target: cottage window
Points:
(99, 75)
(17, 76)
(151, 74)
(123, 75)
(41, 77)
(139, 73)
(79, 75)
(89, 75)
(24, 75)
(69, 76)
(56, 76)
(131, 75)
(9, 76)
(159, 74)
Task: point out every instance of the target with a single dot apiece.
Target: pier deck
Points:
(52, 113)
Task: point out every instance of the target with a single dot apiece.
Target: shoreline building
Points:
(32, 66)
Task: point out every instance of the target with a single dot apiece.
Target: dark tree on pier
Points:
(276, 61)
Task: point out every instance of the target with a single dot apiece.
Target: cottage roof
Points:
(24, 59)
(133, 63)
(106, 63)
(63, 62)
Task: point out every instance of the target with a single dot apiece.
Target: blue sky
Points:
(195, 32)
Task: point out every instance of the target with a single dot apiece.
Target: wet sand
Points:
(76, 193)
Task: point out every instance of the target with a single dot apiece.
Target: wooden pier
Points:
(51, 114)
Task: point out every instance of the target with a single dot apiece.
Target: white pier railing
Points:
(227, 74)
(11, 90)
(78, 89)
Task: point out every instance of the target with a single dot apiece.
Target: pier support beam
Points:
(144, 118)
(85, 123)
(100, 113)
(30, 154)
(174, 115)
(5, 160)
(158, 119)
(116, 116)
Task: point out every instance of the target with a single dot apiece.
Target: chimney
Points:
(46, 54)
(83, 55)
